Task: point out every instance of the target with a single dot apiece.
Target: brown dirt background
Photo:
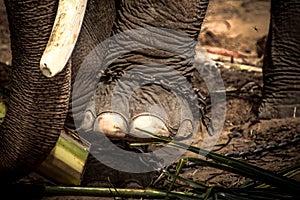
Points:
(236, 29)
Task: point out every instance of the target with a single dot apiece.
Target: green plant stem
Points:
(117, 192)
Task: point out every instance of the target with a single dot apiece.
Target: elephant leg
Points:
(167, 33)
(145, 76)
(96, 27)
(38, 105)
(281, 70)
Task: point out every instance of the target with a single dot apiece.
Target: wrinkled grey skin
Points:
(37, 113)
(281, 75)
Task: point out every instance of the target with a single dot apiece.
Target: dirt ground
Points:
(234, 33)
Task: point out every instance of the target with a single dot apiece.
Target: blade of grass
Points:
(251, 171)
(288, 172)
(254, 193)
(190, 183)
(248, 170)
(178, 169)
(202, 162)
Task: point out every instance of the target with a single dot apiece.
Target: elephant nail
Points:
(185, 130)
(111, 124)
(88, 121)
(144, 125)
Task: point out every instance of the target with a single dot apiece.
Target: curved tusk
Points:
(65, 31)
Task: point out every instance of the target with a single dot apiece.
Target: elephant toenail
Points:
(88, 121)
(143, 125)
(111, 124)
(185, 130)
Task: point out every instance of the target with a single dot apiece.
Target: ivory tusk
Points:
(65, 31)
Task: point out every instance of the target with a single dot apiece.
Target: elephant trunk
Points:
(38, 105)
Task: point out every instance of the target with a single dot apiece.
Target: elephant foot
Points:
(115, 119)
(271, 111)
(151, 111)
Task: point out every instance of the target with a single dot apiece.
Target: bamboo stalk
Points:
(65, 163)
